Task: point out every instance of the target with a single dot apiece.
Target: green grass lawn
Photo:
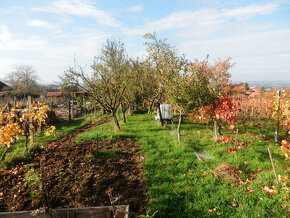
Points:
(17, 150)
(182, 186)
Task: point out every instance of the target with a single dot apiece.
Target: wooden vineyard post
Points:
(69, 111)
(14, 102)
(82, 106)
(236, 138)
(277, 123)
(72, 109)
(31, 130)
(178, 127)
(272, 162)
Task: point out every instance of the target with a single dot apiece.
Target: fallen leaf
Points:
(253, 174)
(250, 190)
(204, 173)
(273, 192)
(1, 194)
(270, 191)
(265, 189)
(285, 197)
(283, 205)
(234, 204)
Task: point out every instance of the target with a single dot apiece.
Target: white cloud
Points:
(262, 55)
(263, 43)
(82, 8)
(5, 35)
(136, 8)
(50, 58)
(40, 23)
(202, 18)
(252, 10)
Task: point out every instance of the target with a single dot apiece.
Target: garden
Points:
(224, 153)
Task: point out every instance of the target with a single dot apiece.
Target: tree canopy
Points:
(24, 81)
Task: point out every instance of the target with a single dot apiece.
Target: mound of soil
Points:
(70, 174)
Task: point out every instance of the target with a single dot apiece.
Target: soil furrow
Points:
(69, 174)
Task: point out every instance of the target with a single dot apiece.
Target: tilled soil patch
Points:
(69, 174)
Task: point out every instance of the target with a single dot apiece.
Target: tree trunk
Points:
(123, 112)
(116, 120)
(118, 114)
(216, 129)
(160, 116)
(150, 108)
(130, 109)
(104, 111)
(179, 124)
(4, 154)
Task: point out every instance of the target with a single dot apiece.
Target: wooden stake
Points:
(237, 132)
(72, 108)
(69, 111)
(272, 162)
(31, 130)
(14, 103)
(277, 123)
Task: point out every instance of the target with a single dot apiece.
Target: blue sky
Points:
(49, 34)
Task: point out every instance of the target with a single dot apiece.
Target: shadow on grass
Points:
(140, 112)
(264, 156)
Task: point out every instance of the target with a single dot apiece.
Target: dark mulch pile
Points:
(71, 174)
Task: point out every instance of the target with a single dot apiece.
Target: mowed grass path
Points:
(182, 186)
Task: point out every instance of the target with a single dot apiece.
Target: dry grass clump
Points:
(227, 173)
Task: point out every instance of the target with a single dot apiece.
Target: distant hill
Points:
(268, 84)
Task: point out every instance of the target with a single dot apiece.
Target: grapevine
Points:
(15, 122)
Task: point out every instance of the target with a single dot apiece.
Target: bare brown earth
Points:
(67, 174)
